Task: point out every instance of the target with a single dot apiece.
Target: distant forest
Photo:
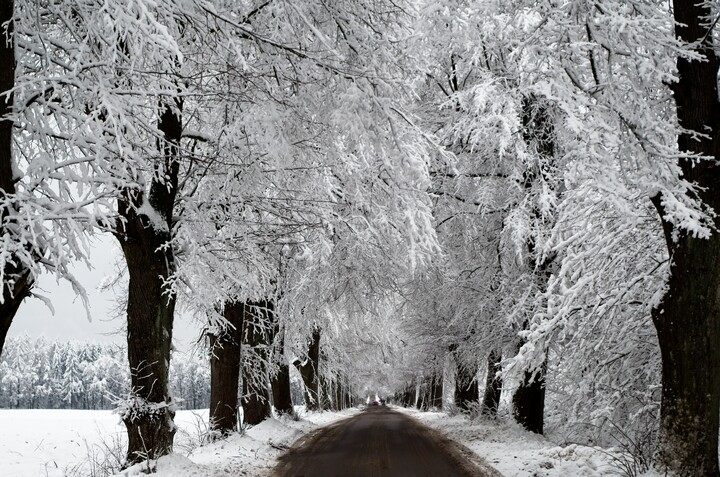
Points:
(38, 374)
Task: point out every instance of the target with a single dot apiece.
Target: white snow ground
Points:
(515, 452)
(68, 443)
(62, 443)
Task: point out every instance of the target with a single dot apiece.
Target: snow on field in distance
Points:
(71, 443)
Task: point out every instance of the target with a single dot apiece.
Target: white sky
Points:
(70, 320)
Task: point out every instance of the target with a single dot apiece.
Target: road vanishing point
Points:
(379, 442)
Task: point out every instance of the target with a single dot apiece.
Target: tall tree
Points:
(225, 367)
(257, 327)
(17, 278)
(493, 385)
(687, 318)
(309, 371)
(282, 398)
(145, 241)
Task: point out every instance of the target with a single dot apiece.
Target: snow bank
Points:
(515, 452)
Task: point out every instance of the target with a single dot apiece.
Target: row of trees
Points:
(239, 152)
(37, 374)
(574, 202)
(383, 187)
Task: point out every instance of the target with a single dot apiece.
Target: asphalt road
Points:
(376, 443)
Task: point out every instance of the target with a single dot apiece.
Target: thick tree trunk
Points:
(309, 373)
(688, 318)
(529, 401)
(493, 386)
(256, 402)
(151, 303)
(282, 398)
(225, 365)
(18, 281)
(467, 393)
(256, 399)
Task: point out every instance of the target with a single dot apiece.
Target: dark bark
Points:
(282, 397)
(7, 83)
(410, 395)
(151, 303)
(309, 372)
(256, 399)
(347, 397)
(538, 133)
(255, 402)
(18, 280)
(493, 386)
(430, 393)
(467, 393)
(688, 318)
(225, 363)
(529, 401)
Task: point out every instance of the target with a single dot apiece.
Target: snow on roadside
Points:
(69, 443)
(251, 454)
(515, 452)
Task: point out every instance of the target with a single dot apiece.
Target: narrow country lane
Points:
(377, 443)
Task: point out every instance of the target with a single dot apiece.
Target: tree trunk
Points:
(538, 133)
(151, 303)
(309, 372)
(467, 393)
(436, 392)
(225, 364)
(529, 400)
(256, 399)
(282, 399)
(688, 317)
(255, 403)
(420, 393)
(18, 280)
(325, 392)
(493, 385)
(409, 396)
(339, 392)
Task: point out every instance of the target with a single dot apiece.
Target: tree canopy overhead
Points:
(398, 194)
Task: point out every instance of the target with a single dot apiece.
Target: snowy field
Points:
(70, 443)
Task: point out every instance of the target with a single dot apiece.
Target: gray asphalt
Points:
(376, 443)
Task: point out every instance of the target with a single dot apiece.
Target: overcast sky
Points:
(70, 320)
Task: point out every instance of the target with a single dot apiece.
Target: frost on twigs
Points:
(688, 215)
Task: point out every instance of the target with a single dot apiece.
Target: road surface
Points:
(377, 443)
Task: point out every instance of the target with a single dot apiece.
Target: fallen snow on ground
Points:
(68, 443)
(64, 443)
(515, 452)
